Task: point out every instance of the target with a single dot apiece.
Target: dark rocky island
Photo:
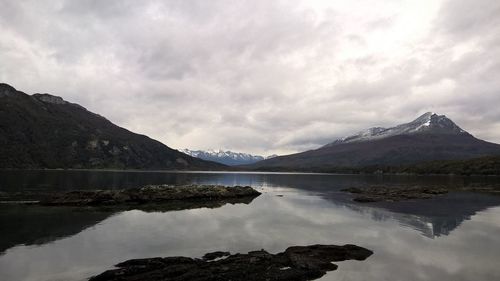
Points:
(151, 194)
(402, 193)
(295, 263)
(382, 193)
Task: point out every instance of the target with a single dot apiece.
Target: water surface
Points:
(452, 237)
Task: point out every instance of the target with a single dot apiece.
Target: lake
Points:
(450, 237)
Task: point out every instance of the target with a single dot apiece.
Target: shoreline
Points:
(250, 172)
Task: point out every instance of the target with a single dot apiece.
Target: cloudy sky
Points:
(259, 76)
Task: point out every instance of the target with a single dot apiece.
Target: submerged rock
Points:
(295, 263)
(152, 194)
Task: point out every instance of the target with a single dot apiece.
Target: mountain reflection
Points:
(32, 225)
(440, 215)
(76, 243)
(431, 217)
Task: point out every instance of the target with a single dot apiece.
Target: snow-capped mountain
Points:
(225, 157)
(429, 137)
(429, 122)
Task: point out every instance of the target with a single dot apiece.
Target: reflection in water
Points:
(42, 224)
(464, 228)
(39, 225)
(432, 217)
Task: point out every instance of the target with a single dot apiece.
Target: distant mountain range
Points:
(229, 158)
(45, 131)
(427, 138)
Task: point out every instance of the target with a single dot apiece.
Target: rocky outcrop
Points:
(149, 195)
(402, 193)
(393, 194)
(295, 263)
(50, 99)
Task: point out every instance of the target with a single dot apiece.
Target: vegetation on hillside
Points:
(45, 132)
(478, 166)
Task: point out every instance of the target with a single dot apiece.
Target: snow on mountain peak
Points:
(224, 157)
(429, 122)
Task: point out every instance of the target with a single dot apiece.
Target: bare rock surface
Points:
(401, 193)
(295, 263)
(149, 194)
(393, 194)
(215, 255)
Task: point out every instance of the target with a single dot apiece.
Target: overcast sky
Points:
(259, 76)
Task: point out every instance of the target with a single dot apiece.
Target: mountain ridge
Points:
(429, 137)
(227, 157)
(428, 122)
(43, 131)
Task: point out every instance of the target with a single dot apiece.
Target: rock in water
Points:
(394, 194)
(295, 263)
(149, 194)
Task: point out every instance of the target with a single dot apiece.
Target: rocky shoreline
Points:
(297, 263)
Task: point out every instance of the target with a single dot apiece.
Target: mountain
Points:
(429, 123)
(45, 131)
(226, 157)
(427, 138)
(488, 165)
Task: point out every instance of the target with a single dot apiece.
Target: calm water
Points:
(454, 237)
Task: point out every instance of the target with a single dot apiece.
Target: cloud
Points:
(259, 76)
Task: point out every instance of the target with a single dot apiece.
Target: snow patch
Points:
(426, 122)
(224, 157)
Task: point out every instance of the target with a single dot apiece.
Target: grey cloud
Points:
(466, 19)
(257, 76)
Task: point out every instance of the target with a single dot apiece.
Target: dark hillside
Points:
(44, 131)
